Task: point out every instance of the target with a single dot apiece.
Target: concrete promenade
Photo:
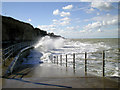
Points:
(52, 76)
(33, 74)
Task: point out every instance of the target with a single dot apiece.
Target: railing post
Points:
(54, 59)
(57, 59)
(4, 62)
(74, 61)
(85, 62)
(12, 49)
(9, 50)
(66, 60)
(3, 59)
(103, 63)
(61, 59)
(51, 58)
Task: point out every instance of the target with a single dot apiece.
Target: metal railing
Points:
(58, 59)
(9, 51)
(0, 55)
(12, 65)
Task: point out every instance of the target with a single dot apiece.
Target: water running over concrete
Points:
(48, 75)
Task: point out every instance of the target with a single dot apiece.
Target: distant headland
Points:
(14, 31)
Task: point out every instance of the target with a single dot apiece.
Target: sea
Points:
(94, 49)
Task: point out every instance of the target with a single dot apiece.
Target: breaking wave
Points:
(55, 46)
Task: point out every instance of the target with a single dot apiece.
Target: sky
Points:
(68, 19)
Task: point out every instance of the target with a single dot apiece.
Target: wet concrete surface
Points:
(53, 76)
(59, 83)
(48, 75)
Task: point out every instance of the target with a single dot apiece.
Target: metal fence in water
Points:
(103, 58)
(9, 51)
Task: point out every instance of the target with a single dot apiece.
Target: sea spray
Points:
(47, 44)
(50, 47)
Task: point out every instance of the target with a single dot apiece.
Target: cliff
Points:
(14, 31)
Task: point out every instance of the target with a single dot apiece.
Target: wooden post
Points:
(74, 61)
(66, 60)
(57, 59)
(61, 59)
(85, 62)
(103, 63)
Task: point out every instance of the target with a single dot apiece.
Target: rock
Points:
(14, 31)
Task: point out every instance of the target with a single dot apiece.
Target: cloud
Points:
(70, 28)
(63, 14)
(54, 20)
(46, 27)
(100, 24)
(56, 12)
(93, 25)
(29, 20)
(102, 5)
(67, 7)
(75, 28)
(100, 0)
(64, 23)
(76, 20)
(108, 14)
(90, 10)
(65, 19)
(98, 13)
(112, 22)
(85, 34)
(106, 17)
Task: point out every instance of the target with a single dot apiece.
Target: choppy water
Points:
(94, 48)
